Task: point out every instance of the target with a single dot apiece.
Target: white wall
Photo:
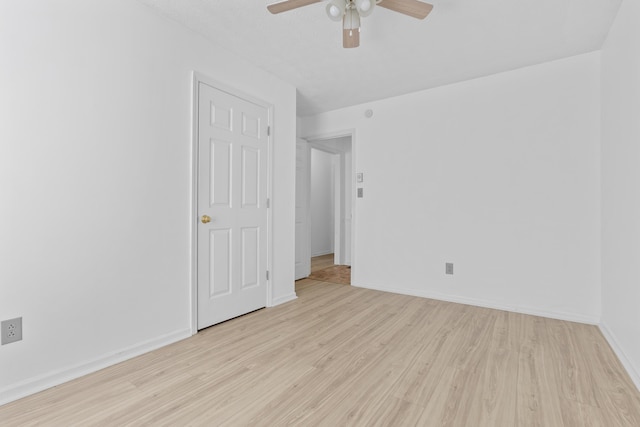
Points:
(322, 206)
(499, 175)
(621, 187)
(95, 182)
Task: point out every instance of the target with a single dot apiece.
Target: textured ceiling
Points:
(459, 40)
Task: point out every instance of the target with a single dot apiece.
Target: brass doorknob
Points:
(205, 219)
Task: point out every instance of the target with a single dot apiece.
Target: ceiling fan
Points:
(350, 11)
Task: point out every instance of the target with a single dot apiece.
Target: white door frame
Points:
(194, 217)
(306, 238)
(311, 139)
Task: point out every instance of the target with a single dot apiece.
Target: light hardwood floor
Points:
(324, 270)
(321, 262)
(341, 355)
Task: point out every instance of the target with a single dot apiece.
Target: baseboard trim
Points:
(622, 356)
(43, 382)
(283, 299)
(571, 317)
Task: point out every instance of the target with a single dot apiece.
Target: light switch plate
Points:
(359, 177)
(449, 268)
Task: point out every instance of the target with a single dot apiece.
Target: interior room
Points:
(156, 236)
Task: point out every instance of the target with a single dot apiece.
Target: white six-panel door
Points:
(232, 206)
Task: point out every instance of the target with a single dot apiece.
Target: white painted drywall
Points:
(499, 175)
(621, 187)
(322, 203)
(95, 182)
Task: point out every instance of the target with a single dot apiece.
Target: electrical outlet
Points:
(11, 330)
(448, 268)
(360, 190)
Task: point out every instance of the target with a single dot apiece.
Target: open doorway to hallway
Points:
(324, 200)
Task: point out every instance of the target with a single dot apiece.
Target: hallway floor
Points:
(323, 269)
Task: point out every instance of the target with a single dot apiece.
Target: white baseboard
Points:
(632, 370)
(43, 382)
(571, 317)
(285, 298)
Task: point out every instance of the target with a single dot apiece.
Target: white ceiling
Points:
(459, 40)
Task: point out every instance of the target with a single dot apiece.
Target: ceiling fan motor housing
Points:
(337, 9)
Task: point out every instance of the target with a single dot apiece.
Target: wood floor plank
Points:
(340, 355)
(497, 402)
(322, 262)
(396, 412)
(538, 401)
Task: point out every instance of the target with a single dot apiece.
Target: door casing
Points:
(303, 209)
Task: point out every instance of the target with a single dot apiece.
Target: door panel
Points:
(220, 249)
(232, 191)
(250, 177)
(220, 165)
(250, 256)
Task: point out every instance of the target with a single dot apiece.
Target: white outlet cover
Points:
(11, 330)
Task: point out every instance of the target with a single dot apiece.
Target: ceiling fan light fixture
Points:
(335, 10)
(350, 11)
(351, 20)
(365, 7)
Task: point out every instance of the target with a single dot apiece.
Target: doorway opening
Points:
(324, 188)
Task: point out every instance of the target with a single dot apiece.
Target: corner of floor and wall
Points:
(570, 205)
(620, 188)
(96, 172)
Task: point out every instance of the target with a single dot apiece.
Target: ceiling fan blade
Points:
(283, 6)
(350, 38)
(414, 8)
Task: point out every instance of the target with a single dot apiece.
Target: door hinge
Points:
(268, 130)
(267, 274)
(268, 203)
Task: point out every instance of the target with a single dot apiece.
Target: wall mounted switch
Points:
(448, 268)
